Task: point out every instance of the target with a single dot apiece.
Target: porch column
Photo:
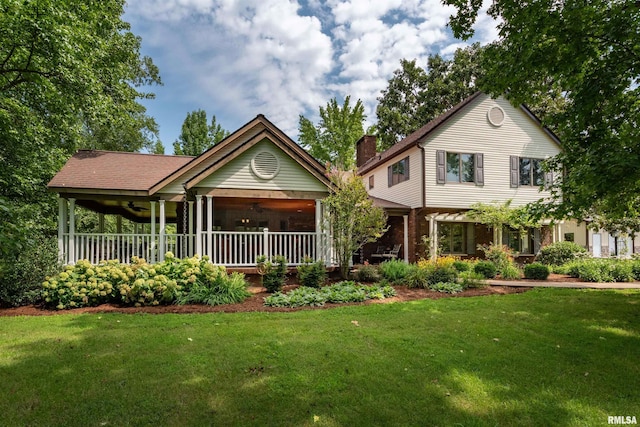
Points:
(72, 231)
(163, 230)
(152, 255)
(62, 220)
(190, 228)
(406, 237)
(433, 234)
(209, 226)
(199, 224)
(319, 245)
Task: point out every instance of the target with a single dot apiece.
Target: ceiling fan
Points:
(257, 208)
(135, 208)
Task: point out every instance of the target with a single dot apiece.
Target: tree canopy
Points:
(415, 96)
(589, 52)
(334, 139)
(71, 76)
(197, 136)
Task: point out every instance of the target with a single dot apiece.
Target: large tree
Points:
(591, 52)
(333, 140)
(71, 76)
(415, 95)
(197, 136)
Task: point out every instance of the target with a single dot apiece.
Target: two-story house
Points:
(481, 150)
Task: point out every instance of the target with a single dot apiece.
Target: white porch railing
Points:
(229, 248)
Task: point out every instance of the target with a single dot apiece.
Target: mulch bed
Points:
(255, 303)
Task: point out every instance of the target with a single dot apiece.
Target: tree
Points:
(70, 77)
(416, 96)
(354, 220)
(334, 139)
(196, 136)
(590, 52)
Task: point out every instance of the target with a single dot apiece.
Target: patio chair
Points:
(379, 252)
(393, 253)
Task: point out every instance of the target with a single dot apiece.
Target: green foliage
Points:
(367, 273)
(419, 277)
(635, 269)
(312, 274)
(596, 70)
(339, 293)
(21, 279)
(471, 279)
(602, 269)
(140, 284)
(273, 272)
(536, 271)
(196, 136)
(511, 272)
(394, 270)
(559, 253)
(461, 266)
(427, 273)
(334, 139)
(447, 287)
(500, 255)
(415, 96)
(354, 220)
(498, 215)
(487, 269)
(444, 274)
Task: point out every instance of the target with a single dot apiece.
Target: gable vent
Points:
(496, 115)
(265, 165)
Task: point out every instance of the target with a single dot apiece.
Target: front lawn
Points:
(545, 357)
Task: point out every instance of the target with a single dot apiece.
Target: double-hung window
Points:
(399, 172)
(527, 171)
(452, 167)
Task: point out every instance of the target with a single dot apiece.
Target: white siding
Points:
(469, 131)
(238, 174)
(407, 192)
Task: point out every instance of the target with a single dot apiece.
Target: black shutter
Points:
(441, 174)
(514, 170)
(406, 168)
(390, 175)
(479, 168)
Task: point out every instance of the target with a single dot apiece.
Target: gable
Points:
(264, 166)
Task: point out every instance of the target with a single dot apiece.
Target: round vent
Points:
(496, 115)
(265, 165)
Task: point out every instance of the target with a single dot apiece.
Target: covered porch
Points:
(231, 231)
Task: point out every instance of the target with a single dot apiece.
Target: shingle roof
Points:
(413, 139)
(110, 170)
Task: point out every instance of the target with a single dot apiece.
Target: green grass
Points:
(545, 357)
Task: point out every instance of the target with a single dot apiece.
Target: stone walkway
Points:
(544, 284)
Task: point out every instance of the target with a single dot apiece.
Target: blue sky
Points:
(282, 58)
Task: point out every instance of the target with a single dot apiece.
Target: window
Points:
(520, 241)
(452, 237)
(370, 182)
(460, 167)
(526, 171)
(399, 172)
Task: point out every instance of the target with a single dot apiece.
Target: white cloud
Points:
(238, 58)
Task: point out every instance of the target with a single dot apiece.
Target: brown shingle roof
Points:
(110, 170)
(413, 139)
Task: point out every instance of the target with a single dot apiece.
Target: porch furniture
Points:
(393, 253)
(379, 253)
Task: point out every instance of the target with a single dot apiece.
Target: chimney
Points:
(365, 149)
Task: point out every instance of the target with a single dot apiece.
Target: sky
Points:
(282, 58)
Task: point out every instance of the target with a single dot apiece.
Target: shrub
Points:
(342, 292)
(461, 266)
(447, 287)
(594, 270)
(500, 255)
(312, 274)
(559, 253)
(273, 272)
(444, 274)
(223, 289)
(622, 271)
(419, 277)
(486, 268)
(21, 278)
(367, 273)
(635, 268)
(510, 272)
(536, 271)
(394, 270)
(471, 279)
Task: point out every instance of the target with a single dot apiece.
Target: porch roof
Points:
(110, 170)
(389, 206)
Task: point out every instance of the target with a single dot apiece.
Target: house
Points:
(254, 193)
(481, 150)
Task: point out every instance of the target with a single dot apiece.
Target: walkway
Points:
(545, 284)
